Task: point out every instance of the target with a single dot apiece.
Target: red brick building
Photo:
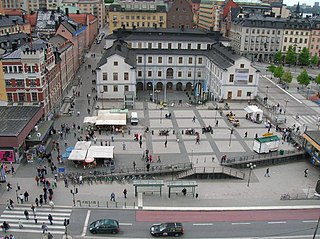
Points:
(180, 14)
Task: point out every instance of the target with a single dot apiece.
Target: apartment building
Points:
(1, 8)
(209, 14)
(11, 4)
(131, 15)
(180, 14)
(314, 43)
(167, 60)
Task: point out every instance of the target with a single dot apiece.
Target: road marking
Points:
(125, 224)
(241, 223)
(203, 224)
(283, 222)
(296, 99)
(86, 222)
(310, 221)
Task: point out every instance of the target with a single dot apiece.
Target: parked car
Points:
(104, 226)
(167, 229)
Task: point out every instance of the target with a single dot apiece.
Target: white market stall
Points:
(84, 145)
(266, 144)
(78, 155)
(254, 113)
(104, 152)
(90, 120)
(111, 119)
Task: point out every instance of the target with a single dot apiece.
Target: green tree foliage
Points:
(277, 58)
(278, 72)
(271, 68)
(287, 77)
(304, 57)
(291, 56)
(314, 60)
(317, 80)
(303, 78)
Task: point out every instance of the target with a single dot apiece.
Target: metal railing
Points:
(105, 203)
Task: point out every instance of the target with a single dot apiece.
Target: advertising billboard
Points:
(6, 156)
(241, 76)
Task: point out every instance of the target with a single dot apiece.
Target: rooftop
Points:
(15, 119)
(6, 21)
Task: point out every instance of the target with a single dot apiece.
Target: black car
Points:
(167, 229)
(104, 226)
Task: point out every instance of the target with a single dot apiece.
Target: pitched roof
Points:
(79, 18)
(120, 48)
(6, 21)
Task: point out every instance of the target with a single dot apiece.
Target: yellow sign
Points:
(267, 134)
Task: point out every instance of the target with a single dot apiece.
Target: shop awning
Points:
(85, 145)
(111, 119)
(252, 109)
(100, 152)
(90, 119)
(78, 155)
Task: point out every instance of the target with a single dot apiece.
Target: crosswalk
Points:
(308, 119)
(59, 213)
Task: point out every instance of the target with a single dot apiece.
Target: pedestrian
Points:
(50, 218)
(44, 227)
(123, 145)
(51, 204)
(112, 138)
(256, 136)
(37, 202)
(9, 186)
(20, 224)
(134, 165)
(197, 140)
(45, 197)
(217, 122)
(267, 173)
(148, 167)
(35, 218)
(150, 158)
(12, 169)
(5, 226)
(41, 200)
(26, 196)
(125, 193)
(246, 134)
(33, 208)
(159, 160)
(194, 119)
(184, 191)
(26, 214)
(306, 172)
(78, 113)
(113, 197)
(140, 143)
(49, 236)
(165, 143)
(21, 197)
(88, 111)
(65, 182)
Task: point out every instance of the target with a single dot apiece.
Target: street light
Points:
(285, 107)
(231, 133)
(149, 88)
(74, 192)
(308, 89)
(251, 166)
(102, 97)
(157, 92)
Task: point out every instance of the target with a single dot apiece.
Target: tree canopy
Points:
(317, 79)
(278, 72)
(314, 60)
(303, 78)
(287, 77)
(304, 57)
(291, 56)
(277, 58)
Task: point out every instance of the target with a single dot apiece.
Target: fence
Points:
(107, 204)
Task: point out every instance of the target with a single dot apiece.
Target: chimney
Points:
(67, 12)
(60, 20)
(78, 11)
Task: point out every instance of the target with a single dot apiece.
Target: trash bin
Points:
(281, 152)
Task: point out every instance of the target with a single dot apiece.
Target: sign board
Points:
(6, 156)
(267, 134)
(241, 76)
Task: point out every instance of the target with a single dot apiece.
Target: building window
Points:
(248, 93)
(231, 78)
(241, 65)
(189, 46)
(9, 96)
(20, 83)
(179, 45)
(199, 73)
(126, 88)
(115, 63)
(250, 78)
(126, 76)
(21, 96)
(180, 60)
(149, 73)
(115, 88)
(199, 46)
(179, 73)
(159, 73)
(115, 76)
(139, 45)
(169, 45)
(189, 74)
(105, 88)
(105, 76)
(159, 59)
(190, 60)
(239, 93)
(159, 45)
(149, 45)
(149, 59)
(139, 73)
(139, 59)
(170, 60)
(34, 96)
(200, 60)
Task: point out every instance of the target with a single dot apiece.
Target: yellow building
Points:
(3, 93)
(132, 15)
(209, 15)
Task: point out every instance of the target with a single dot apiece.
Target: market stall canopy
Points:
(78, 154)
(85, 145)
(90, 119)
(253, 109)
(100, 152)
(111, 119)
(69, 149)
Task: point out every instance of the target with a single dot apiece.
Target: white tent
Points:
(254, 113)
(90, 119)
(78, 154)
(100, 152)
(84, 145)
(111, 119)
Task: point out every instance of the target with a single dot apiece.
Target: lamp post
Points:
(251, 166)
(308, 89)
(285, 107)
(231, 133)
(74, 192)
(157, 92)
(161, 108)
(149, 88)
(102, 97)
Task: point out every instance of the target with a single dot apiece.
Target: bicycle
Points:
(285, 196)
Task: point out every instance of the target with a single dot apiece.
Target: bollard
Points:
(152, 132)
(182, 132)
(125, 204)
(173, 131)
(205, 159)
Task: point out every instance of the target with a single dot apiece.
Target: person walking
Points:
(140, 143)
(50, 218)
(306, 172)
(41, 201)
(35, 218)
(26, 196)
(165, 143)
(33, 208)
(37, 202)
(26, 214)
(267, 174)
(194, 119)
(21, 197)
(246, 134)
(44, 227)
(37, 180)
(20, 224)
(49, 236)
(113, 197)
(125, 193)
(217, 123)
(51, 204)
(134, 165)
(123, 145)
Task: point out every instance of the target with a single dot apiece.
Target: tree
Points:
(304, 57)
(271, 68)
(287, 77)
(277, 57)
(314, 60)
(317, 80)
(278, 72)
(303, 78)
(291, 56)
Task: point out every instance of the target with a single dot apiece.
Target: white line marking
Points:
(203, 224)
(277, 222)
(283, 90)
(241, 223)
(86, 222)
(35, 231)
(125, 224)
(310, 221)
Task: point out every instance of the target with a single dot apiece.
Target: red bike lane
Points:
(228, 216)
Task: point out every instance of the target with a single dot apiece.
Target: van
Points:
(134, 118)
(167, 229)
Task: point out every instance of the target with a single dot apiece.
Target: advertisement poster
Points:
(241, 76)
(6, 156)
